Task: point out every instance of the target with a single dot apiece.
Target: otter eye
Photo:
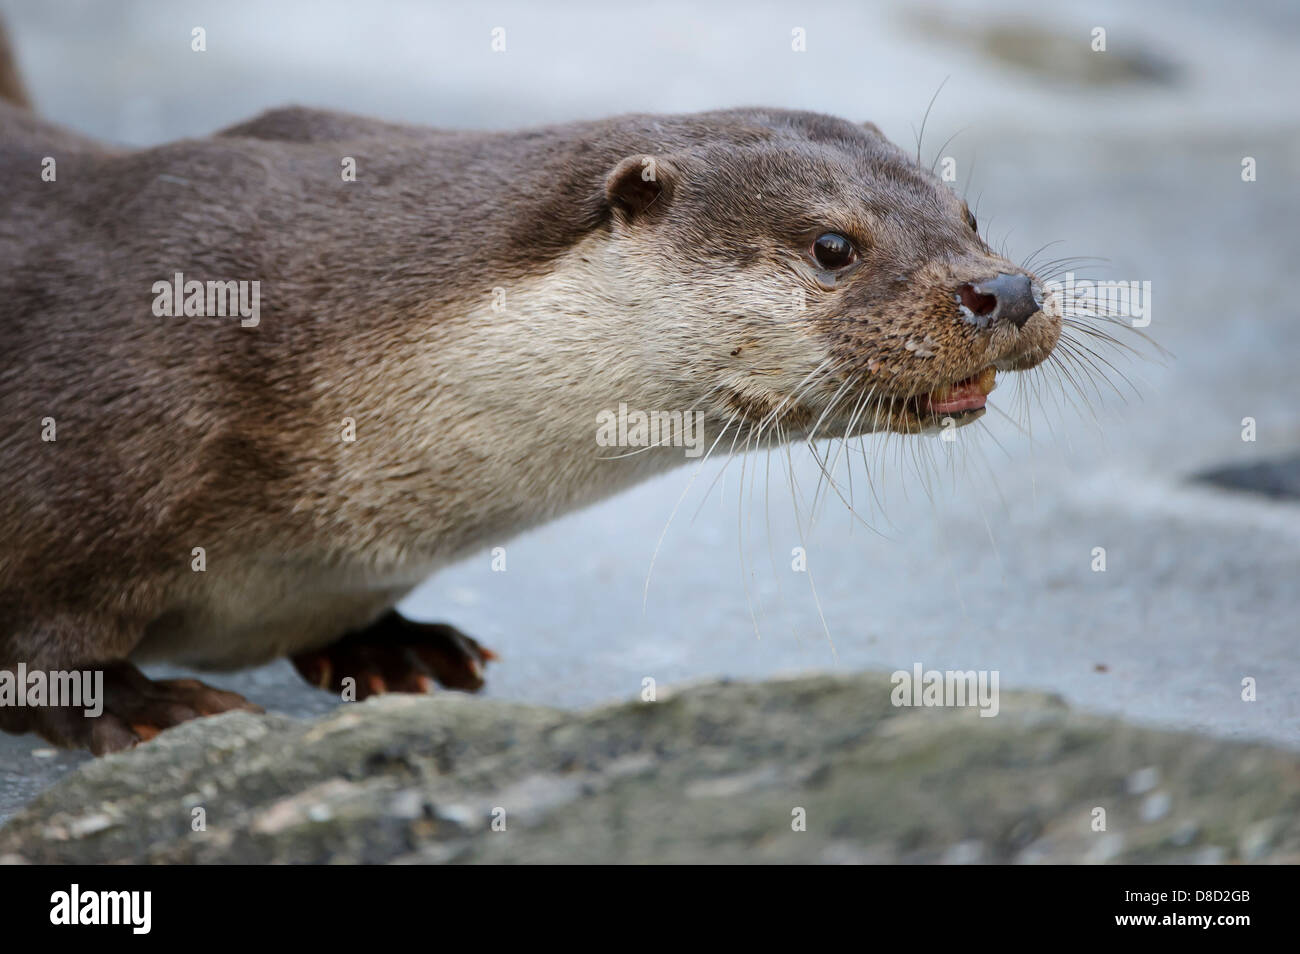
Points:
(832, 250)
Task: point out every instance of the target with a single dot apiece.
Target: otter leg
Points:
(394, 654)
(134, 708)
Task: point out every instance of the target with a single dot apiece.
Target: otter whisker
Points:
(868, 468)
(1087, 374)
(740, 533)
(1099, 363)
(1028, 263)
(801, 388)
(641, 450)
(970, 172)
(1061, 394)
(939, 155)
(1092, 359)
(844, 441)
(803, 538)
(731, 453)
(1036, 382)
(826, 474)
(828, 471)
(1091, 328)
(812, 436)
(645, 594)
(776, 436)
(920, 136)
(1058, 365)
(988, 527)
(1012, 421)
(834, 485)
(812, 433)
(1092, 331)
(1055, 267)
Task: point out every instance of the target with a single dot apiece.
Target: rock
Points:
(718, 772)
(1278, 478)
(1049, 54)
(1143, 780)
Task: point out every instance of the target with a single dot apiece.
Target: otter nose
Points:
(1004, 298)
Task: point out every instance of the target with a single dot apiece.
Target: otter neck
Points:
(519, 384)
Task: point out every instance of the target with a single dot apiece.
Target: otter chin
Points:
(437, 337)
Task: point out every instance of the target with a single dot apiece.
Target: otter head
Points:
(821, 280)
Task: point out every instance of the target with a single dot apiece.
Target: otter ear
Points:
(640, 183)
(873, 129)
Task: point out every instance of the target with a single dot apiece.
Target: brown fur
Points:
(175, 433)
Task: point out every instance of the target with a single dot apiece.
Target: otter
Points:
(434, 338)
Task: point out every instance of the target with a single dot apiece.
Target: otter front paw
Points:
(135, 708)
(395, 654)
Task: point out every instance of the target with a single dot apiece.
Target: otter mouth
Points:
(963, 397)
(962, 402)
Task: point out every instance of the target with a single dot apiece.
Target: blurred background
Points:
(980, 552)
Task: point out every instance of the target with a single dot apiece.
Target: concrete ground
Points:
(983, 551)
